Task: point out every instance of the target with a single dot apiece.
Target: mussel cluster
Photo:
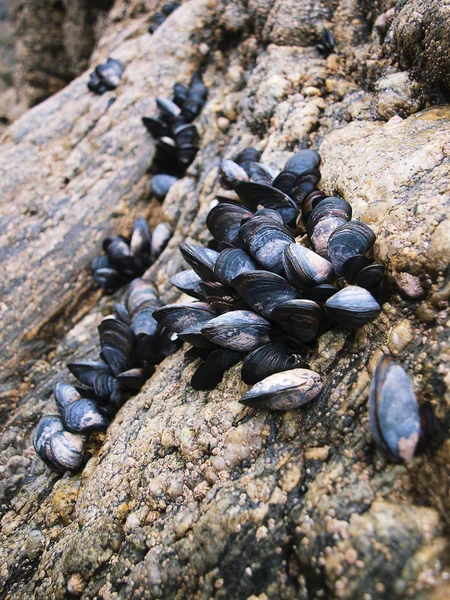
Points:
(131, 342)
(159, 17)
(124, 259)
(106, 76)
(264, 297)
(175, 135)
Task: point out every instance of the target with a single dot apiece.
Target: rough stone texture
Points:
(190, 495)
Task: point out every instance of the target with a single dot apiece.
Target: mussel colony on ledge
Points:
(264, 297)
(105, 76)
(159, 17)
(175, 135)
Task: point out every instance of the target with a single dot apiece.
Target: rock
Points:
(188, 495)
(398, 96)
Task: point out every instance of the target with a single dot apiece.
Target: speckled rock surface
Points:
(188, 494)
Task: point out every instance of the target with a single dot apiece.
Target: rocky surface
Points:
(189, 495)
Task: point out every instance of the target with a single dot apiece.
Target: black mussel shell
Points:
(302, 161)
(108, 278)
(326, 208)
(156, 127)
(266, 240)
(351, 238)
(285, 181)
(263, 291)
(67, 450)
(310, 203)
(180, 94)
(304, 185)
(167, 9)
(370, 277)
(121, 312)
(304, 267)
(284, 391)
(239, 330)
(103, 385)
(224, 221)
(143, 322)
(188, 282)
(86, 370)
(160, 238)
(353, 307)
(194, 336)
(231, 173)
(141, 293)
(353, 266)
(320, 293)
(178, 317)
(168, 108)
(301, 319)
(186, 134)
(325, 45)
(270, 213)
(267, 360)
(393, 410)
(132, 379)
(161, 184)
(197, 89)
(140, 238)
(231, 263)
(83, 416)
(168, 146)
(210, 373)
(201, 259)
(65, 394)
(261, 173)
(248, 155)
(427, 426)
(100, 262)
(186, 153)
(256, 195)
(117, 341)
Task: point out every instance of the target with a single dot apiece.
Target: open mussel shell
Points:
(231, 263)
(132, 379)
(310, 202)
(326, 208)
(188, 282)
(267, 360)
(210, 373)
(263, 291)
(304, 267)
(347, 240)
(284, 391)
(224, 221)
(255, 195)
(65, 394)
(301, 319)
(285, 181)
(84, 371)
(84, 416)
(161, 184)
(117, 341)
(265, 240)
(160, 238)
(393, 410)
(202, 260)
(231, 173)
(353, 307)
(46, 428)
(239, 330)
(178, 317)
(304, 185)
(354, 265)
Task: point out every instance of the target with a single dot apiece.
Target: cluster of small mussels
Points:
(159, 17)
(131, 342)
(175, 135)
(263, 292)
(124, 259)
(106, 76)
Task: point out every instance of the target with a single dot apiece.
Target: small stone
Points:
(400, 336)
(409, 285)
(426, 313)
(223, 123)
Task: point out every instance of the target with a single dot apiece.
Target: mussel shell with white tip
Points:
(353, 307)
(65, 394)
(263, 290)
(160, 238)
(240, 330)
(347, 240)
(230, 173)
(304, 267)
(67, 450)
(46, 428)
(284, 391)
(267, 360)
(394, 412)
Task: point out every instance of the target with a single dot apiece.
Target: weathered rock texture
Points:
(190, 495)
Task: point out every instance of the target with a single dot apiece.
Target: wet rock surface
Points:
(190, 494)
